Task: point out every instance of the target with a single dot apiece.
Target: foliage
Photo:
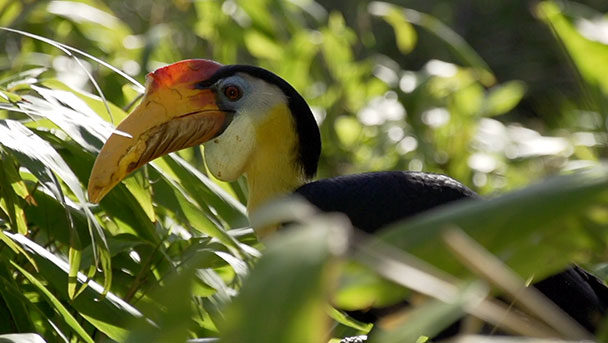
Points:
(167, 255)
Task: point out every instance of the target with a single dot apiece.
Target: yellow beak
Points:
(172, 115)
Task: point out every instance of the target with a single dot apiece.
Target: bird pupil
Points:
(232, 92)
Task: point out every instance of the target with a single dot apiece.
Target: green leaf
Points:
(172, 196)
(106, 266)
(74, 261)
(49, 215)
(90, 102)
(404, 31)
(124, 209)
(142, 195)
(174, 321)
(71, 114)
(57, 305)
(11, 188)
(128, 205)
(6, 96)
(205, 191)
(41, 159)
(16, 248)
(21, 338)
(503, 98)
(535, 230)
(16, 302)
(262, 47)
(588, 56)
(428, 319)
(299, 263)
(360, 289)
(108, 313)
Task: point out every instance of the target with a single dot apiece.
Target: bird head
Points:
(249, 120)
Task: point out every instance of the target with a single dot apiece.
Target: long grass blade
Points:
(417, 275)
(491, 268)
(67, 316)
(68, 49)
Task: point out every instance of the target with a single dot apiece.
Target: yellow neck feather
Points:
(272, 171)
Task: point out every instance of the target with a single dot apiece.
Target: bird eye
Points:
(232, 92)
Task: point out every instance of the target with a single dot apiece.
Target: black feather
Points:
(373, 200)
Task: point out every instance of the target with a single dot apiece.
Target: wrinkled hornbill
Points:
(254, 123)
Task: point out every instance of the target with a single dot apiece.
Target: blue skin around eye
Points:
(237, 81)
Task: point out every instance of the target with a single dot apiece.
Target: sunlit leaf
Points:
(206, 192)
(404, 31)
(21, 338)
(263, 47)
(503, 98)
(74, 261)
(362, 289)
(175, 198)
(108, 313)
(587, 55)
(43, 161)
(6, 96)
(12, 189)
(63, 311)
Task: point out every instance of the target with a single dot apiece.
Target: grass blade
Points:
(512, 225)
(108, 312)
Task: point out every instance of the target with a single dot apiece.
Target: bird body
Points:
(374, 200)
(252, 122)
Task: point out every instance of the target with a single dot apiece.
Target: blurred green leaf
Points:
(348, 130)
(65, 314)
(404, 31)
(427, 320)
(262, 47)
(6, 96)
(360, 288)
(513, 226)
(503, 98)
(588, 56)
(299, 264)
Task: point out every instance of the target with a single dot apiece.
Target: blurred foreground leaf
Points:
(284, 297)
(536, 230)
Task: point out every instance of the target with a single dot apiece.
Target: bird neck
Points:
(273, 170)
